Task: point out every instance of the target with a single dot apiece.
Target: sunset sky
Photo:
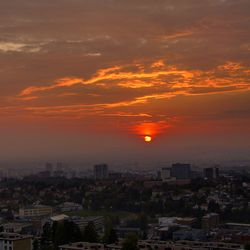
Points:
(88, 79)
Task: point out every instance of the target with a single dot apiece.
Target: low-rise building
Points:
(15, 227)
(180, 245)
(82, 222)
(210, 221)
(189, 234)
(70, 206)
(122, 232)
(59, 217)
(35, 211)
(82, 246)
(12, 241)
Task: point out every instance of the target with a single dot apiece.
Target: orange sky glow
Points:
(177, 71)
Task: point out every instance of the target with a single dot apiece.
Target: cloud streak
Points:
(159, 79)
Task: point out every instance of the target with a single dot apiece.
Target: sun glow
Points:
(149, 130)
(147, 138)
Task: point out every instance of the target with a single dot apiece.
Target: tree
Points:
(90, 234)
(48, 248)
(46, 235)
(247, 246)
(59, 238)
(35, 245)
(110, 236)
(213, 207)
(143, 222)
(65, 232)
(130, 242)
(72, 232)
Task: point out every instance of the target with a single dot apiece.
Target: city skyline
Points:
(87, 80)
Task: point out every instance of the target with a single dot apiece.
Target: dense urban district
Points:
(175, 207)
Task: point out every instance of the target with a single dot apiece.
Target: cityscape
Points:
(176, 207)
(124, 124)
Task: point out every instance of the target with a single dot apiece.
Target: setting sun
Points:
(147, 138)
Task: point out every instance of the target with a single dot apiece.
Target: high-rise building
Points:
(211, 173)
(48, 170)
(181, 171)
(101, 171)
(165, 173)
(59, 166)
(49, 167)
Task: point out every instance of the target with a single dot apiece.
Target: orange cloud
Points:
(178, 35)
(156, 81)
(158, 74)
(119, 75)
(64, 82)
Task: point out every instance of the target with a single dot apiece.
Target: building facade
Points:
(211, 173)
(101, 171)
(12, 241)
(82, 222)
(181, 171)
(210, 221)
(35, 211)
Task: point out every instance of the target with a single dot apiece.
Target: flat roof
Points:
(13, 236)
(238, 224)
(80, 245)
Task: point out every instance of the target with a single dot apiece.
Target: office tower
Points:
(181, 171)
(165, 173)
(211, 173)
(49, 168)
(100, 171)
(59, 166)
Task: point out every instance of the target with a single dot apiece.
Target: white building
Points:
(35, 211)
(70, 206)
(12, 241)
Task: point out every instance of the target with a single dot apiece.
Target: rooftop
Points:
(81, 245)
(13, 236)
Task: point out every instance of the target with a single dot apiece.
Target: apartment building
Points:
(35, 211)
(12, 241)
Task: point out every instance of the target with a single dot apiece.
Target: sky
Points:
(88, 79)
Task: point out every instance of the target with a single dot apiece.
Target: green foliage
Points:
(130, 242)
(35, 245)
(143, 221)
(48, 248)
(108, 214)
(66, 232)
(247, 246)
(46, 235)
(213, 207)
(110, 236)
(60, 233)
(89, 233)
